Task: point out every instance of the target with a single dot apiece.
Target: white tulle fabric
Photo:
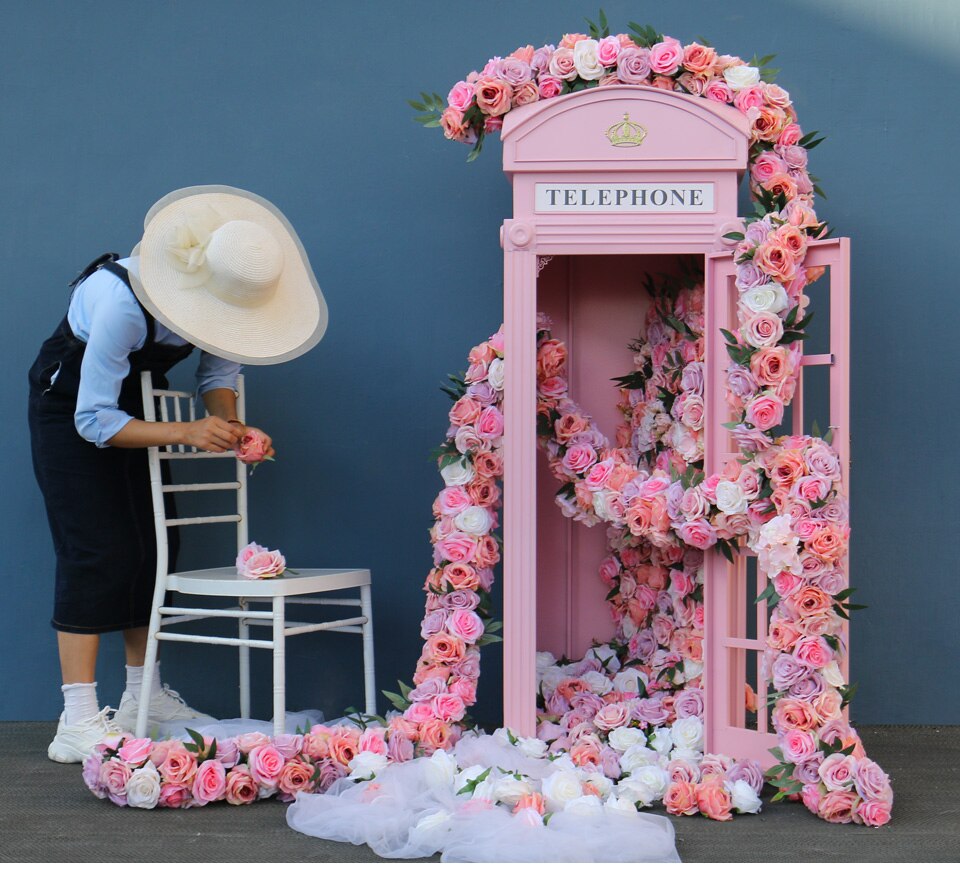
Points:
(232, 727)
(413, 810)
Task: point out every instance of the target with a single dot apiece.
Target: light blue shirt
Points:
(106, 316)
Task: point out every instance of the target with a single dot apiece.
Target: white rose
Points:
(563, 761)
(559, 788)
(630, 679)
(691, 669)
(662, 740)
(636, 757)
(606, 654)
(466, 775)
(544, 661)
(644, 786)
(440, 769)
(742, 76)
(603, 505)
(620, 806)
(687, 733)
(622, 738)
(599, 684)
(509, 790)
(460, 472)
(366, 764)
(495, 374)
(474, 520)
(532, 747)
(143, 787)
(601, 783)
(832, 675)
(730, 498)
(691, 756)
(586, 805)
(585, 60)
(433, 822)
(502, 737)
(744, 797)
(771, 297)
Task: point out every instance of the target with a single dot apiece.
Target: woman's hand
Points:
(212, 434)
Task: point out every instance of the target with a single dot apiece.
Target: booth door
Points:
(735, 624)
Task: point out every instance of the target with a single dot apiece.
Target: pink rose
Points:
(873, 813)
(114, 775)
(399, 748)
(798, 746)
(578, 458)
(461, 96)
(713, 799)
(265, 763)
(247, 742)
(135, 751)
(765, 411)
(611, 716)
(561, 64)
(373, 740)
(448, 707)
(681, 798)
(813, 651)
(871, 782)
(255, 562)
(718, 91)
(489, 425)
(838, 771)
(288, 745)
(699, 534)
(253, 446)
(549, 86)
(465, 624)
(762, 330)
(240, 788)
(175, 795)
(210, 783)
(608, 49)
(838, 806)
(458, 547)
(666, 56)
(633, 66)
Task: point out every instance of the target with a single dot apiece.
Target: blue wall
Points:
(106, 106)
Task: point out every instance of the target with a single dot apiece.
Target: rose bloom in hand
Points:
(254, 447)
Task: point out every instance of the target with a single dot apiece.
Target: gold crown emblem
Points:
(626, 133)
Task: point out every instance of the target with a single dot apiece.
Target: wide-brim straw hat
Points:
(224, 269)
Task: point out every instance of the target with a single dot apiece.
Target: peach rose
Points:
(435, 734)
(175, 795)
(681, 798)
(240, 787)
(838, 806)
(765, 411)
(265, 763)
(295, 777)
(775, 260)
(532, 801)
(342, 749)
(699, 58)
(713, 799)
(180, 767)
(770, 366)
(828, 544)
(493, 96)
(444, 648)
(253, 446)
(762, 330)
(789, 714)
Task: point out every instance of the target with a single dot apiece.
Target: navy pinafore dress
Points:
(97, 499)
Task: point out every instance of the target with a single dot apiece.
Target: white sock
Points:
(79, 701)
(135, 680)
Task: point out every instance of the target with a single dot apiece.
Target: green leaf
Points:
(396, 700)
(487, 639)
(197, 739)
(734, 235)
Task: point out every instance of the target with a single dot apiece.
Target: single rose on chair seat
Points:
(257, 562)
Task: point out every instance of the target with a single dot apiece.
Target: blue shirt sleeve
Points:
(107, 317)
(214, 372)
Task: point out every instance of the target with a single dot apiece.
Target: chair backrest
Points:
(171, 406)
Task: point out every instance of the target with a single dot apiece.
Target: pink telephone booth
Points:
(610, 184)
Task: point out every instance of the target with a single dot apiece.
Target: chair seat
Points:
(225, 581)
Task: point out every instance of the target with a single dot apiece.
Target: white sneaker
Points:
(165, 705)
(73, 743)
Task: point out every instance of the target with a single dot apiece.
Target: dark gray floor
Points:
(46, 814)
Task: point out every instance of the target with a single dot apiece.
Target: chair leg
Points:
(149, 661)
(369, 677)
(244, 634)
(279, 667)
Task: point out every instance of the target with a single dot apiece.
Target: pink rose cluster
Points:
(476, 105)
(465, 550)
(144, 773)
(258, 562)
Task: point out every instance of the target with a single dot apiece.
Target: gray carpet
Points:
(47, 814)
